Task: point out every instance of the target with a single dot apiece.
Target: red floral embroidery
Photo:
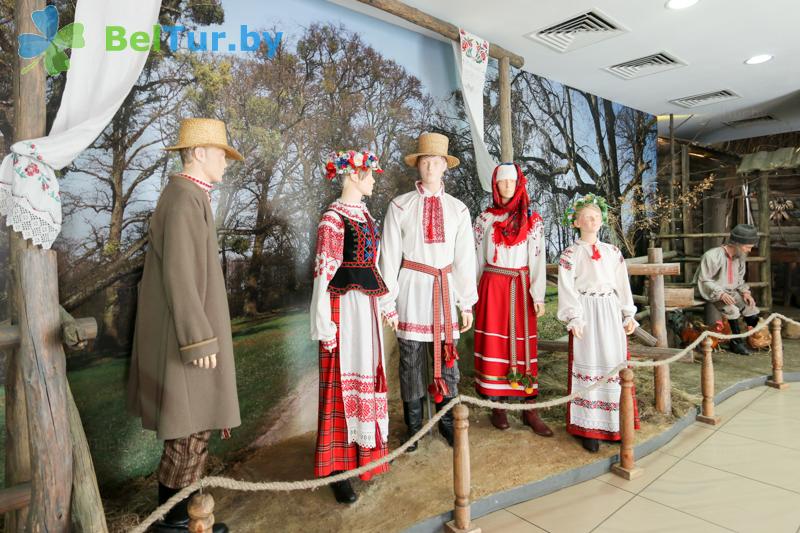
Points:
(565, 264)
(419, 328)
(596, 404)
(592, 379)
(433, 220)
(32, 169)
(330, 246)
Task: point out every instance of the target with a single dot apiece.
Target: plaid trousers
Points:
(183, 460)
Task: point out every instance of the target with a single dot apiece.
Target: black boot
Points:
(737, 346)
(343, 491)
(446, 422)
(591, 445)
(177, 519)
(412, 414)
(751, 320)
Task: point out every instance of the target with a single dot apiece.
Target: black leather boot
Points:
(751, 320)
(177, 519)
(343, 490)
(412, 414)
(446, 422)
(591, 445)
(737, 346)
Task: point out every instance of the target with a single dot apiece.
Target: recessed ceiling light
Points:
(680, 4)
(761, 58)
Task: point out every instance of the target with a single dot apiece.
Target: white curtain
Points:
(471, 57)
(97, 83)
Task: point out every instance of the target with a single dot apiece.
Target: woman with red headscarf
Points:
(509, 237)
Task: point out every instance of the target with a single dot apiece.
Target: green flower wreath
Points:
(590, 199)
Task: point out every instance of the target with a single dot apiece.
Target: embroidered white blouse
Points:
(329, 256)
(448, 242)
(579, 273)
(528, 253)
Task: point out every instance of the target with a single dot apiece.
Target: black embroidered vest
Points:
(358, 270)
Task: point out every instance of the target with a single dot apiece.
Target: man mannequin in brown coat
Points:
(182, 380)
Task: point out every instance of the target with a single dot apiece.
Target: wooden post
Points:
(777, 356)
(461, 482)
(44, 370)
(87, 507)
(764, 243)
(658, 321)
(686, 213)
(201, 513)
(506, 142)
(29, 123)
(626, 467)
(707, 376)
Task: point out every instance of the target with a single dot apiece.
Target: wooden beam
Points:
(9, 335)
(642, 259)
(506, 141)
(636, 350)
(28, 93)
(87, 507)
(446, 29)
(699, 235)
(638, 269)
(16, 497)
(44, 370)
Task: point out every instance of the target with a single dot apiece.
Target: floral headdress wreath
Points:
(340, 162)
(571, 214)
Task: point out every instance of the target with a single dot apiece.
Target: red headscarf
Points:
(513, 229)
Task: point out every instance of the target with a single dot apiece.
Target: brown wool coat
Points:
(182, 315)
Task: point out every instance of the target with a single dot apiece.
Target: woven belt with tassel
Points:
(441, 305)
(520, 274)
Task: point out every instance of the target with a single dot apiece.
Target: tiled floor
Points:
(743, 475)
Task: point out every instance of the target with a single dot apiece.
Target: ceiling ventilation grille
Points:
(749, 121)
(585, 29)
(705, 98)
(645, 66)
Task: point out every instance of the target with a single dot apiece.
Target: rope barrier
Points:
(313, 484)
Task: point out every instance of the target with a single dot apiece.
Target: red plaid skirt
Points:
(333, 452)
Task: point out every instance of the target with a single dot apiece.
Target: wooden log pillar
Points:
(707, 376)
(461, 474)
(201, 513)
(686, 214)
(506, 142)
(626, 468)
(658, 321)
(28, 93)
(87, 506)
(764, 242)
(777, 356)
(45, 374)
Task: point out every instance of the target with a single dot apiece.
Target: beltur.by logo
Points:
(196, 40)
(52, 43)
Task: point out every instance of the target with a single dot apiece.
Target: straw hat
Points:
(432, 144)
(204, 132)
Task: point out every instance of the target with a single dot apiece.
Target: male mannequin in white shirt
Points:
(428, 264)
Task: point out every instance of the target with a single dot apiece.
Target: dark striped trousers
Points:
(414, 357)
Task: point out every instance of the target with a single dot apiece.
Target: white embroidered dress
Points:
(447, 241)
(361, 332)
(595, 294)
